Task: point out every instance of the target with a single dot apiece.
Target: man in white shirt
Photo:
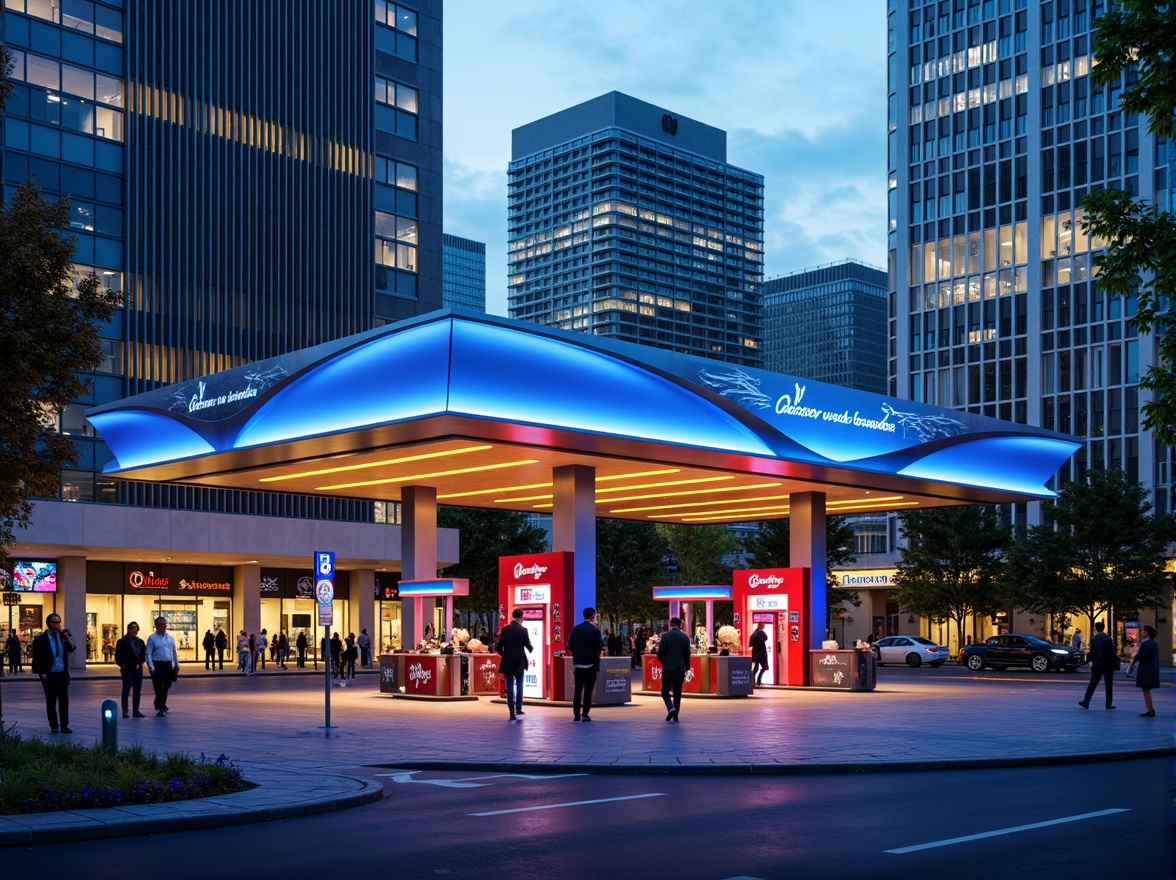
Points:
(164, 663)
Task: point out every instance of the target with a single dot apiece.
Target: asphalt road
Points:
(1037, 822)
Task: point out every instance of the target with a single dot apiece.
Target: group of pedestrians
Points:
(214, 649)
(1104, 663)
(163, 666)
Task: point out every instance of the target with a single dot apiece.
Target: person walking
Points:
(350, 653)
(51, 650)
(1147, 659)
(283, 649)
(260, 646)
(585, 643)
(222, 643)
(209, 645)
(302, 644)
(1104, 660)
(514, 643)
(243, 642)
(130, 653)
(365, 649)
(14, 649)
(164, 663)
(759, 653)
(1076, 640)
(673, 650)
(336, 656)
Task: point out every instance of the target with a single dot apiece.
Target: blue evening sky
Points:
(798, 85)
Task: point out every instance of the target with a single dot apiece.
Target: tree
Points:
(1136, 41)
(485, 536)
(48, 336)
(770, 547)
(628, 563)
(1098, 549)
(700, 550)
(951, 568)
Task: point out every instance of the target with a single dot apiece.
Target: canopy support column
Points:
(807, 550)
(418, 554)
(574, 529)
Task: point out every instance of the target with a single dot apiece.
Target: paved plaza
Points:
(272, 725)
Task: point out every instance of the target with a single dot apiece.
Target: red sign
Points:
(423, 674)
(484, 673)
(774, 593)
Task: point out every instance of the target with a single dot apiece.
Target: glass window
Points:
(42, 72)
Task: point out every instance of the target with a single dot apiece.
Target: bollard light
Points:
(110, 726)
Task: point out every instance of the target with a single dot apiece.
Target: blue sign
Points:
(324, 585)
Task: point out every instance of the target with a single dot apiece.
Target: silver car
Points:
(914, 651)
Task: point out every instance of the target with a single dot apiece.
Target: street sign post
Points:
(324, 592)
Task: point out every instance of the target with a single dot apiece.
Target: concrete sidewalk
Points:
(272, 725)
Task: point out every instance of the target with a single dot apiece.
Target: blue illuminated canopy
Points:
(483, 408)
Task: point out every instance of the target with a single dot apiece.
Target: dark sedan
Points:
(1000, 652)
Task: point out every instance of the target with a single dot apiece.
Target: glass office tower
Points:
(626, 221)
(829, 324)
(463, 265)
(997, 132)
(254, 177)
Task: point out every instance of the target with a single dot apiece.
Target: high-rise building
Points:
(463, 268)
(232, 169)
(828, 324)
(626, 221)
(997, 132)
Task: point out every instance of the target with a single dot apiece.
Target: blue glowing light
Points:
(1015, 464)
(718, 593)
(140, 438)
(434, 587)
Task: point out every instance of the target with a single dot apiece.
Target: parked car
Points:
(914, 651)
(1001, 652)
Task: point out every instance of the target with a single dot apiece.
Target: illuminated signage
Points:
(767, 603)
(540, 594)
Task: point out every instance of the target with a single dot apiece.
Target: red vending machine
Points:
(542, 585)
(778, 598)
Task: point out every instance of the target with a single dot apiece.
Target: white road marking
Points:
(471, 781)
(953, 840)
(631, 797)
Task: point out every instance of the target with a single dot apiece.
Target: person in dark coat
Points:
(673, 650)
(336, 656)
(222, 643)
(130, 653)
(302, 643)
(1147, 660)
(1103, 662)
(585, 643)
(13, 648)
(209, 645)
(759, 653)
(514, 643)
(51, 650)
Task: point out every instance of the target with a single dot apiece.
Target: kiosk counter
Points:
(714, 674)
(439, 675)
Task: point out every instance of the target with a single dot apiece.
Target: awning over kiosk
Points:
(484, 408)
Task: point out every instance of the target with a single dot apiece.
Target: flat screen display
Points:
(33, 577)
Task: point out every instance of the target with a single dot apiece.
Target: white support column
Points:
(361, 595)
(246, 602)
(807, 550)
(418, 541)
(574, 529)
(71, 604)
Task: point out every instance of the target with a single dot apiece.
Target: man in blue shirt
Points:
(50, 650)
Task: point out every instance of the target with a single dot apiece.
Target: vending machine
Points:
(541, 584)
(778, 598)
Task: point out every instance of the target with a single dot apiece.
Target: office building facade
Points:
(997, 132)
(828, 324)
(463, 269)
(627, 221)
(255, 178)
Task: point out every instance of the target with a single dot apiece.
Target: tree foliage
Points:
(1099, 548)
(48, 336)
(952, 566)
(770, 547)
(1136, 42)
(628, 564)
(485, 536)
(700, 550)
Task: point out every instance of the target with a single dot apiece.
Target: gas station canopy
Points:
(484, 409)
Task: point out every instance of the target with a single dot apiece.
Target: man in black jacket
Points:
(514, 644)
(51, 650)
(130, 653)
(673, 650)
(1104, 661)
(586, 643)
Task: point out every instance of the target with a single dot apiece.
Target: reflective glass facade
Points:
(828, 324)
(997, 132)
(626, 221)
(464, 273)
(232, 168)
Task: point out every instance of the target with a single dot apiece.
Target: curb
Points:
(31, 829)
(816, 769)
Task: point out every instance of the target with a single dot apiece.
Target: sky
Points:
(798, 85)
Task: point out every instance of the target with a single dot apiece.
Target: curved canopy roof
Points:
(483, 408)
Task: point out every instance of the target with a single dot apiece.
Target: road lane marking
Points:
(998, 833)
(471, 781)
(631, 797)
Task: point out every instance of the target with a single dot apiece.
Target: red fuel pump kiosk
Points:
(778, 598)
(542, 585)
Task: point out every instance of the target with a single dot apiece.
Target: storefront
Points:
(193, 599)
(30, 597)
